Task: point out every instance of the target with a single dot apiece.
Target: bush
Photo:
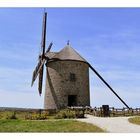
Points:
(36, 116)
(28, 116)
(61, 114)
(69, 114)
(1, 116)
(43, 116)
(79, 114)
(11, 116)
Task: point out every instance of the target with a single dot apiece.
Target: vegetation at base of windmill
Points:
(47, 126)
(93, 112)
(135, 120)
(80, 114)
(88, 112)
(36, 116)
(66, 113)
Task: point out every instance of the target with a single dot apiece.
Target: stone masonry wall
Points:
(59, 85)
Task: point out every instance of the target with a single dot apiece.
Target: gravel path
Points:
(113, 124)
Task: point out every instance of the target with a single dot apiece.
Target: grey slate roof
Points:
(67, 53)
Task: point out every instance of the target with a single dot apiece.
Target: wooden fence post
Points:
(113, 111)
(123, 111)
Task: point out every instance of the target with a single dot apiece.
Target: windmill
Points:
(67, 76)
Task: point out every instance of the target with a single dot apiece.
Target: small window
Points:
(72, 77)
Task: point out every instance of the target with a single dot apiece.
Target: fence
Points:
(110, 112)
(113, 112)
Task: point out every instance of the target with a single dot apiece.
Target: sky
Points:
(108, 38)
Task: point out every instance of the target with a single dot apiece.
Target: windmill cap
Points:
(68, 53)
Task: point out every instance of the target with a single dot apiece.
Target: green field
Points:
(135, 120)
(51, 125)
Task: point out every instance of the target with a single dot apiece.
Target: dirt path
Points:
(113, 124)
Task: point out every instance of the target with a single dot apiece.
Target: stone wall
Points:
(59, 84)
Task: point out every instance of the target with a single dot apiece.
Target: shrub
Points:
(66, 113)
(28, 116)
(79, 114)
(11, 116)
(36, 116)
(61, 114)
(71, 114)
(1, 116)
(43, 116)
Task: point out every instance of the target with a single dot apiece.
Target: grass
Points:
(135, 120)
(47, 126)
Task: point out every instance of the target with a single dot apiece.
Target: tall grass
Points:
(135, 120)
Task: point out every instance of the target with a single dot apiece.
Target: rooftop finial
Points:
(68, 42)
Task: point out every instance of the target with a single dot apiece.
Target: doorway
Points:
(72, 100)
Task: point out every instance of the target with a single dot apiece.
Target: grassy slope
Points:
(46, 126)
(135, 120)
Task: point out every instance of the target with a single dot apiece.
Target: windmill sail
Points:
(42, 58)
(40, 80)
(43, 42)
(35, 73)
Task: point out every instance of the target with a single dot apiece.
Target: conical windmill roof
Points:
(68, 53)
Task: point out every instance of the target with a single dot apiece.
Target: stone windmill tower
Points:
(67, 76)
(67, 80)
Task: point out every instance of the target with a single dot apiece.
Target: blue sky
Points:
(108, 38)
